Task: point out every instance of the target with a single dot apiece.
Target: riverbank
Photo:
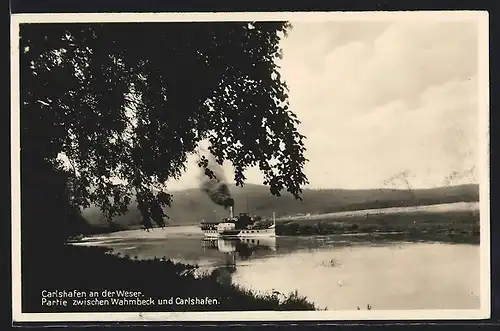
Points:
(457, 222)
(95, 269)
(190, 206)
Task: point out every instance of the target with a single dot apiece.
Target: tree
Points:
(126, 104)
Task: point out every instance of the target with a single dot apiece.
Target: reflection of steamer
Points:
(238, 244)
(241, 247)
(241, 226)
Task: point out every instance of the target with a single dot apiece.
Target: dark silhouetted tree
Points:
(126, 104)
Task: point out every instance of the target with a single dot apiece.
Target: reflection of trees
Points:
(224, 274)
(244, 250)
(230, 259)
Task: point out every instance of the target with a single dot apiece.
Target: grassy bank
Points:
(451, 223)
(190, 206)
(457, 224)
(95, 269)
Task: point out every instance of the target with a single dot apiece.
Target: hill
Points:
(191, 205)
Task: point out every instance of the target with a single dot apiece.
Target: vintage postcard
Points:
(250, 166)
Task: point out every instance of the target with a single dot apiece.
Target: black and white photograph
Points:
(250, 166)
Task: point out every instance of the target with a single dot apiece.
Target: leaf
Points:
(137, 99)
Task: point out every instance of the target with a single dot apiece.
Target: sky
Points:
(382, 104)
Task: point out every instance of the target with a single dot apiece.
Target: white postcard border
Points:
(483, 84)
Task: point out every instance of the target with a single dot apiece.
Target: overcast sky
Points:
(377, 99)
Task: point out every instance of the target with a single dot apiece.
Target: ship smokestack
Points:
(231, 211)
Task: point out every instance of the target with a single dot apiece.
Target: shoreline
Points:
(456, 222)
(178, 279)
(156, 279)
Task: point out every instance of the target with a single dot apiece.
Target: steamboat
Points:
(240, 226)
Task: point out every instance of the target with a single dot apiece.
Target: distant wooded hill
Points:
(191, 205)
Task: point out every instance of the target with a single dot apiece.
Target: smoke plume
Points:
(213, 183)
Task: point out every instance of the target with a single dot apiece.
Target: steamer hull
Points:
(243, 233)
(239, 227)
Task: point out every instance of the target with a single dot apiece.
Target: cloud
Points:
(379, 98)
(404, 98)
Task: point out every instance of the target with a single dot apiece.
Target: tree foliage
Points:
(126, 104)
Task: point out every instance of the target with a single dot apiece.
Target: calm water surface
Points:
(335, 272)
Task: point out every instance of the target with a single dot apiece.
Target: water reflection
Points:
(240, 248)
(343, 272)
(237, 249)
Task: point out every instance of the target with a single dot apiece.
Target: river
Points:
(337, 272)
